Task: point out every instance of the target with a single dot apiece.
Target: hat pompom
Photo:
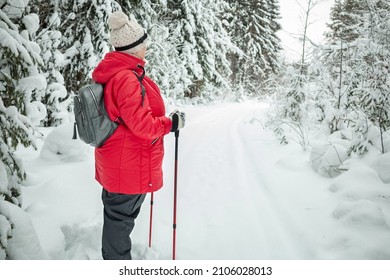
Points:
(117, 20)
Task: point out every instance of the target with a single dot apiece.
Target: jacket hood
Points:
(113, 63)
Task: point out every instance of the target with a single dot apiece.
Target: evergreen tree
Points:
(359, 60)
(274, 42)
(164, 65)
(21, 86)
(84, 38)
(202, 44)
(372, 58)
(347, 19)
(252, 26)
(49, 38)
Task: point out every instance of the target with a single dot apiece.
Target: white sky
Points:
(292, 24)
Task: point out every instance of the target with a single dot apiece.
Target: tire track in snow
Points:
(203, 168)
(273, 230)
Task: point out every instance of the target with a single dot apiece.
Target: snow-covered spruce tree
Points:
(273, 42)
(333, 85)
(196, 31)
(163, 62)
(359, 61)
(372, 93)
(84, 38)
(21, 86)
(56, 99)
(346, 20)
(253, 25)
(337, 79)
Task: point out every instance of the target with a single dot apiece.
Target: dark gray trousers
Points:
(120, 212)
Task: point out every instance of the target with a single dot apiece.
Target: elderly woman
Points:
(129, 164)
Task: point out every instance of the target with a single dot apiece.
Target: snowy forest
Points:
(200, 52)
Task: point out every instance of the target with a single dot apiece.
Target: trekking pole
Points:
(151, 219)
(175, 195)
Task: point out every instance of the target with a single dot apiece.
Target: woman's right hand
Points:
(178, 120)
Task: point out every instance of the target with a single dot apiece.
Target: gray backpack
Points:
(92, 123)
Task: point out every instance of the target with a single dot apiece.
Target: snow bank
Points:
(382, 166)
(82, 241)
(362, 213)
(24, 243)
(61, 195)
(326, 158)
(59, 145)
(360, 182)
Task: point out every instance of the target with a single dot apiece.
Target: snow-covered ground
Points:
(241, 195)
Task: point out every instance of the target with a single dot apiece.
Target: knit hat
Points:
(126, 34)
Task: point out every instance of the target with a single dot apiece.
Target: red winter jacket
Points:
(130, 161)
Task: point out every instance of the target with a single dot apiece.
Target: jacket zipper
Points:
(155, 140)
(150, 167)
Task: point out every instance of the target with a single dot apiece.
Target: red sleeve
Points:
(137, 117)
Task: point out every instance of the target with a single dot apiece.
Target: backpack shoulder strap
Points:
(140, 79)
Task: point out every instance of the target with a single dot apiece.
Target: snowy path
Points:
(242, 220)
(241, 195)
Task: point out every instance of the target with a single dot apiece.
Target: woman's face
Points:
(142, 53)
